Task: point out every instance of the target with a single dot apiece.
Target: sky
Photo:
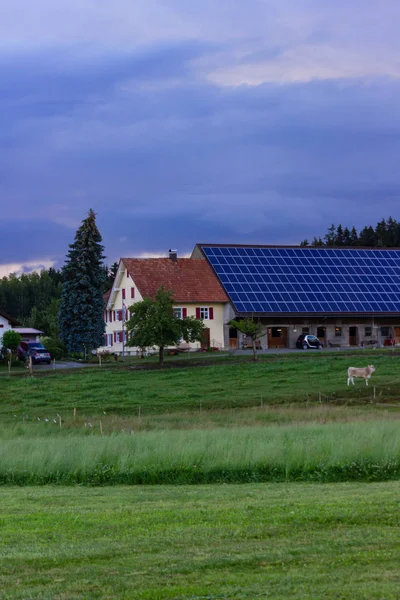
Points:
(179, 122)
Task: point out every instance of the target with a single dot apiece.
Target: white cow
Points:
(366, 373)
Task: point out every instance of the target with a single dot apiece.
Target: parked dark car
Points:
(36, 350)
(306, 341)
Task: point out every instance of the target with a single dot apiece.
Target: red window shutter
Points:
(115, 336)
(110, 316)
(197, 312)
(184, 313)
(114, 315)
(132, 292)
(123, 293)
(111, 338)
(211, 312)
(105, 339)
(120, 315)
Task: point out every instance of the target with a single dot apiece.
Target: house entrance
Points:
(277, 337)
(321, 333)
(233, 338)
(396, 331)
(205, 339)
(353, 336)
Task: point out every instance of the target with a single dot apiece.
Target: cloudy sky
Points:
(181, 121)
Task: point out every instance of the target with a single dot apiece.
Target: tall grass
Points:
(334, 452)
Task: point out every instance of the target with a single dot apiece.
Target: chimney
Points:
(173, 255)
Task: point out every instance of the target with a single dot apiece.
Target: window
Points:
(368, 332)
(305, 330)
(118, 315)
(132, 292)
(123, 293)
(385, 331)
(204, 312)
(109, 337)
(178, 313)
(338, 332)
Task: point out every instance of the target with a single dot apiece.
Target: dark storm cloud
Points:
(201, 133)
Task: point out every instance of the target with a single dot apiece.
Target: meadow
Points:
(310, 511)
(278, 420)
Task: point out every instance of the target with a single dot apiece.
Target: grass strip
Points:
(358, 451)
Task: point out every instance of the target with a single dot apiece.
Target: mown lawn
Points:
(209, 542)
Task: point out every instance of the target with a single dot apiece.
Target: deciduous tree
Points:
(153, 323)
(250, 328)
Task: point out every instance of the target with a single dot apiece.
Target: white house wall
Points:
(114, 328)
(4, 326)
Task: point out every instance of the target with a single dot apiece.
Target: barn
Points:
(344, 296)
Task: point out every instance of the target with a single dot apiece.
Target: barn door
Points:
(353, 336)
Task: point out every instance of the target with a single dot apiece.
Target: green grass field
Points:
(289, 419)
(201, 542)
(274, 380)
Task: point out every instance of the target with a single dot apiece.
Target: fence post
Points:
(320, 397)
(139, 419)
(101, 428)
(54, 364)
(59, 420)
(74, 414)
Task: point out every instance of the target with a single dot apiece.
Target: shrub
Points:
(55, 347)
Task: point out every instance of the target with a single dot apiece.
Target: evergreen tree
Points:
(346, 237)
(381, 234)
(304, 243)
(392, 233)
(80, 316)
(339, 239)
(317, 241)
(353, 237)
(330, 236)
(367, 236)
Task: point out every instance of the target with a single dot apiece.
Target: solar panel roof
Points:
(277, 280)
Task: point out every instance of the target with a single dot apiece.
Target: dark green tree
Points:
(304, 243)
(381, 234)
(339, 239)
(330, 236)
(153, 324)
(367, 237)
(392, 233)
(80, 315)
(353, 237)
(317, 241)
(346, 237)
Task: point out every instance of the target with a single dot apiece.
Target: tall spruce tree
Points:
(81, 308)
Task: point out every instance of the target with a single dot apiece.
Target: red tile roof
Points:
(190, 279)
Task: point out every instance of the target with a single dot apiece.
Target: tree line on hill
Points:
(386, 233)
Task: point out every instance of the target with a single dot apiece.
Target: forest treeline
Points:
(33, 298)
(386, 234)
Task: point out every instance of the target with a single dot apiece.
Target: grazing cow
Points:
(366, 373)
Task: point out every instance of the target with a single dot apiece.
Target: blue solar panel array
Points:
(314, 280)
